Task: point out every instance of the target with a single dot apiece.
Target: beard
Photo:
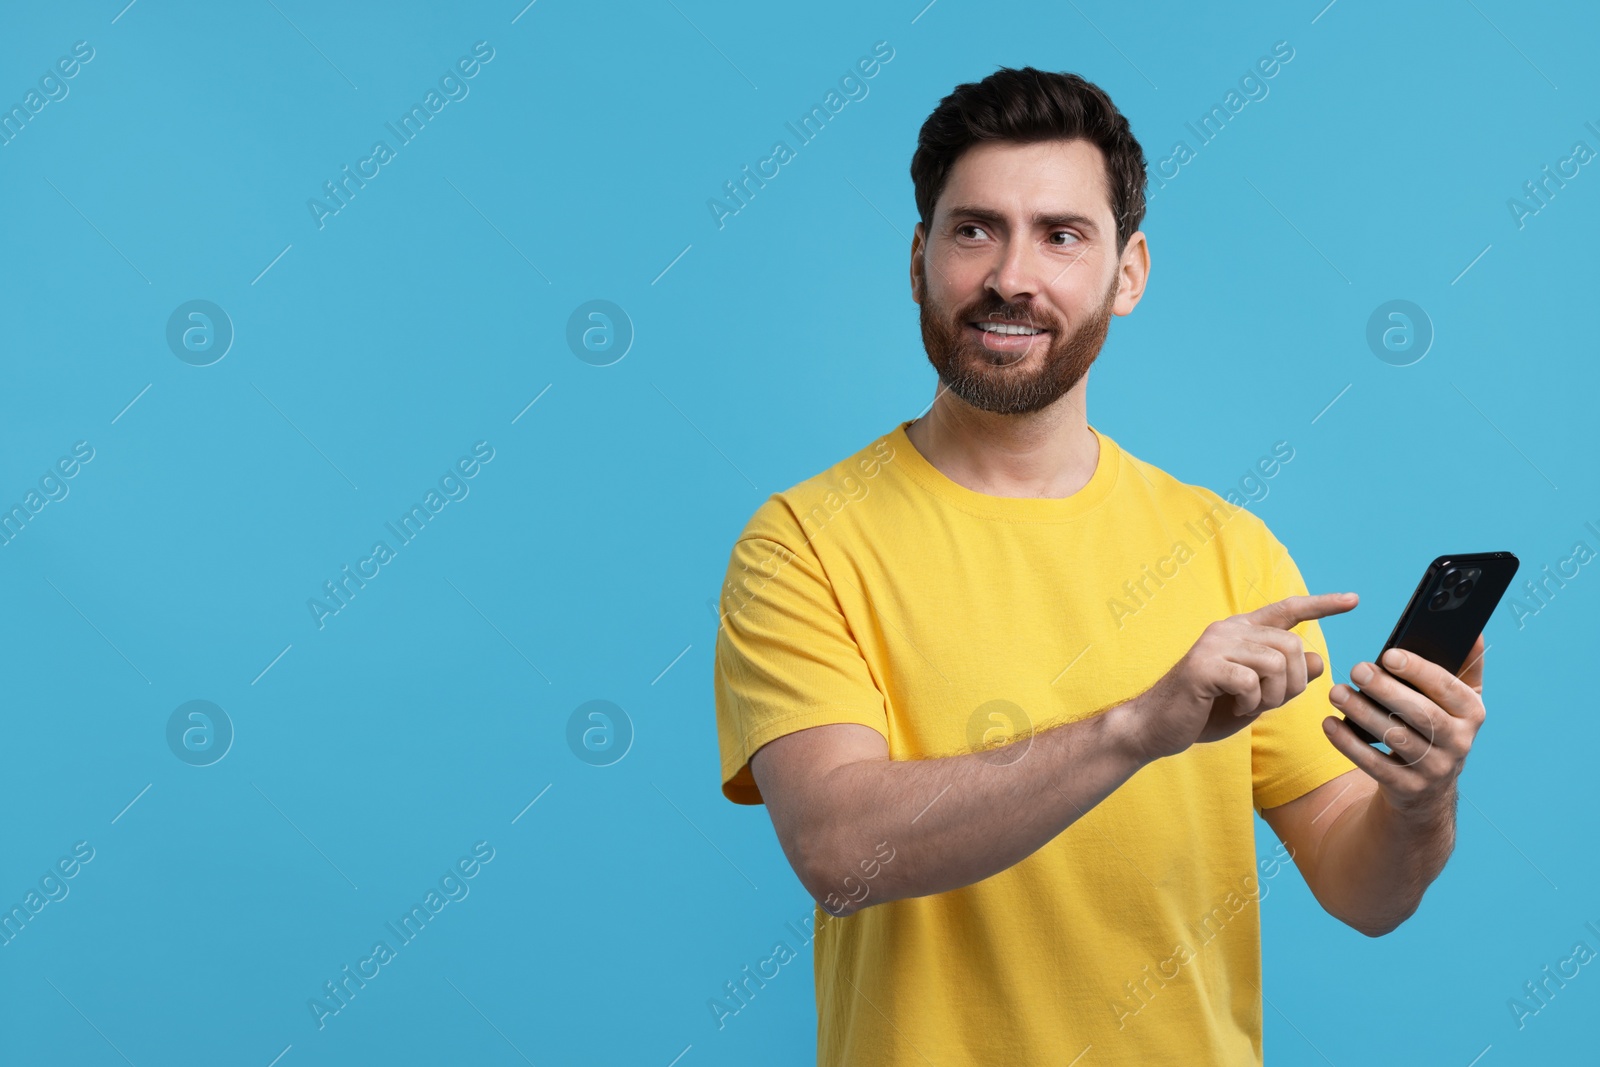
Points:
(993, 381)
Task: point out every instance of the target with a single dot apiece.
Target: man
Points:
(1011, 694)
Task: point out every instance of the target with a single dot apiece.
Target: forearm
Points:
(1377, 860)
(959, 819)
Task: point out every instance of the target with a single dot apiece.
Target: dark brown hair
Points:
(1027, 106)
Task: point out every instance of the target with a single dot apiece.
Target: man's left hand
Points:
(1429, 729)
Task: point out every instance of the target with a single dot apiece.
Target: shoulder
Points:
(1225, 517)
(791, 518)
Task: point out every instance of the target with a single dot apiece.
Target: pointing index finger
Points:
(1290, 611)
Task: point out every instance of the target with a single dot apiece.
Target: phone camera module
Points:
(1455, 584)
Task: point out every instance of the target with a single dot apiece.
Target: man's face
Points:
(1019, 276)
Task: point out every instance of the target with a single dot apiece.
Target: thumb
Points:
(1314, 666)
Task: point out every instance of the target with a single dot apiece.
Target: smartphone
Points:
(1448, 611)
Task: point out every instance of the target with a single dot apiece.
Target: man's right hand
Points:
(1242, 666)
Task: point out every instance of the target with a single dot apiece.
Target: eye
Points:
(977, 231)
(1064, 233)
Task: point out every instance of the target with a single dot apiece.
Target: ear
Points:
(919, 249)
(1133, 272)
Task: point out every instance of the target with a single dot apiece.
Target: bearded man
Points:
(1013, 696)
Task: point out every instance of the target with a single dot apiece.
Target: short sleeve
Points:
(785, 660)
(1290, 755)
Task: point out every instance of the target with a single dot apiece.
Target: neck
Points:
(1047, 453)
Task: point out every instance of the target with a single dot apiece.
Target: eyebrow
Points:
(1049, 219)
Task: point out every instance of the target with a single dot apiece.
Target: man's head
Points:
(1031, 190)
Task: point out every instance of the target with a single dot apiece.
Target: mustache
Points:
(1027, 314)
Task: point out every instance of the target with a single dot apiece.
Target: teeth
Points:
(1006, 328)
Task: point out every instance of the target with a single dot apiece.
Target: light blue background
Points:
(429, 312)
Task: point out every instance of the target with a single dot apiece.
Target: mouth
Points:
(1000, 336)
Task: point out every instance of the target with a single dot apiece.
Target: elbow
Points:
(1377, 926)
(813, 861)
(841, 884)
(816, 886)
(1367, 917)
(842, 904)
(838, 907)
(820, 875)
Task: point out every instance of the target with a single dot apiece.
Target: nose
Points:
(1015, 276)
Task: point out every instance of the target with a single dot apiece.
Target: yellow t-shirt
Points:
(883, 593)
